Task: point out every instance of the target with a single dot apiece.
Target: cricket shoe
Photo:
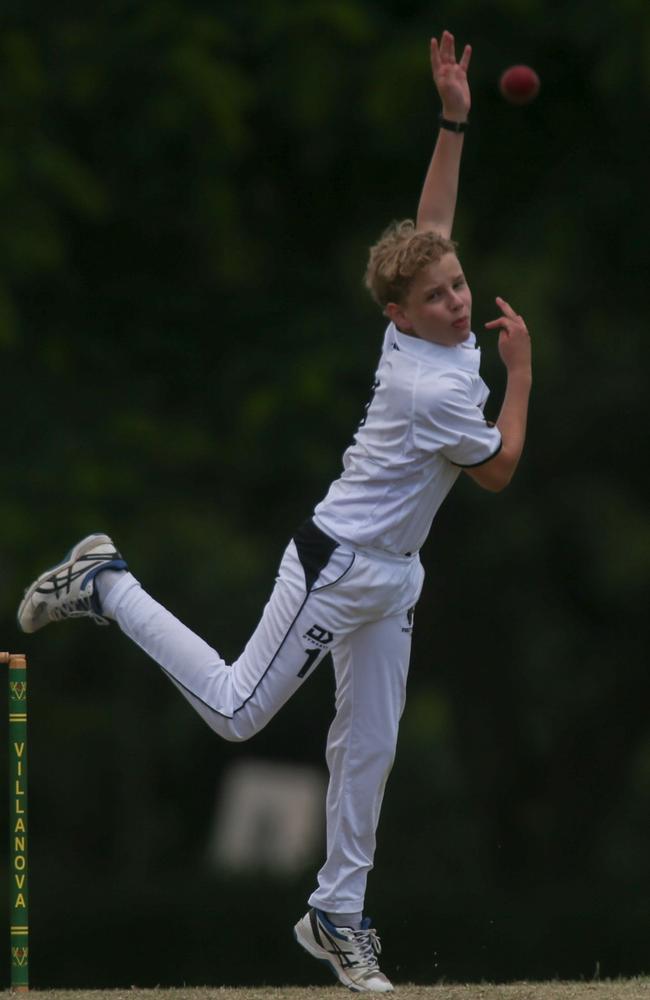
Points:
(351, 954)
(68, 590)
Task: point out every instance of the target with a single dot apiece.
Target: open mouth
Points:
(459, 323)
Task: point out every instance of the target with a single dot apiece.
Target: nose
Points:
(455, 301)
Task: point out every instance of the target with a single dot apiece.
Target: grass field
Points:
(629, 989)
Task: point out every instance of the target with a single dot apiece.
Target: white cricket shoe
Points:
(68, 590)
(351, 955)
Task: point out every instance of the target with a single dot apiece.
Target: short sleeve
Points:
(448, 421)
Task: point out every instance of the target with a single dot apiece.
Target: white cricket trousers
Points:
(328, 597)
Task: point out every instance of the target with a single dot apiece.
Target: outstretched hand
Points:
(450, 77)
(514, 339)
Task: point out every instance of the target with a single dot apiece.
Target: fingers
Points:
(510, 325)
(506, 308)
(439, 53)
(435, 56)
(506, 323)
(445, 51)
(447, 47)
(509, 316)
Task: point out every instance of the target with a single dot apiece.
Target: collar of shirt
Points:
(466, 355)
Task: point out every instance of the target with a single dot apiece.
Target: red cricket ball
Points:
(519, 84)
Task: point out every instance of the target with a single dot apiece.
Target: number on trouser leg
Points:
(312, 656)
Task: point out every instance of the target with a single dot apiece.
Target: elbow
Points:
(494, 480)
(499, 483)
(497, 473)
(504, 479)
(496, 485)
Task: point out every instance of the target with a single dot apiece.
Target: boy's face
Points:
(438, 305)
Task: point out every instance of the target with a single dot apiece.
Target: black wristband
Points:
(452, 126)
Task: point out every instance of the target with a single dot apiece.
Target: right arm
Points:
(514, 348)
(437, 204)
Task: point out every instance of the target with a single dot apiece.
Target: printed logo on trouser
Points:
(319, 638)
(410, 616)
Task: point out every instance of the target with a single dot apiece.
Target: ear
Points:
(396, 313)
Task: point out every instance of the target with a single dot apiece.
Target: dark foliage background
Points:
(187, 192)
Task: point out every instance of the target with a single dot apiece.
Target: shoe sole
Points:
(80, 549)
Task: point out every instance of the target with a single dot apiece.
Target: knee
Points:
(383, 753)
(236, 730)
(234, 737)
(373, 751)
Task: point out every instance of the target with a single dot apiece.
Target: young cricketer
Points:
(351, 574)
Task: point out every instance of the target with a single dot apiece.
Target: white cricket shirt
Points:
(423, 424)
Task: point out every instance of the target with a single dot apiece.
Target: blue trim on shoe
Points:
(324, 919)
(114, 564)
(92, 573)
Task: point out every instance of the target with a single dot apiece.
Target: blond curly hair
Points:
(399, 254)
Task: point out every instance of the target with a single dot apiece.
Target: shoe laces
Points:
(368, 946)
(81, 607)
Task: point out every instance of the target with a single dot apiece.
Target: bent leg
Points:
(201, 675)
(238, 700)
(371, 667)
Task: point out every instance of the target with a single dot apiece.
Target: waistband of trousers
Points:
(367, 550)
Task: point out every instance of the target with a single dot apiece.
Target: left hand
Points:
(450, 77)
(514, 339)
